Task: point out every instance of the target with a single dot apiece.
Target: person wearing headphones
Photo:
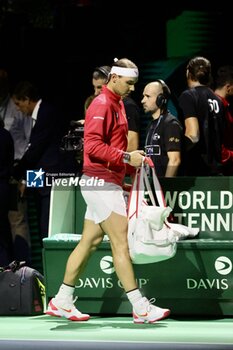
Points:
(164, 134)
(99, 78)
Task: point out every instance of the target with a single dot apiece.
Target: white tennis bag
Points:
(151, 237)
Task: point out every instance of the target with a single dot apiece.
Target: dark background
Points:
(58, 43)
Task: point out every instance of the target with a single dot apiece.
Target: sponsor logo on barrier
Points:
(223, 266)
(206, 283)
(106, 267)
(206, 210)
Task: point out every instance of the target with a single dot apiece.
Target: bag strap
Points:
(141, 184)
(130, 209)
(148, 186)
(136, 197)
(13, 266)
(133, 197)
(157, 187)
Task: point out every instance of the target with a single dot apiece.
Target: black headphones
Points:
(162, 99)
(103, 70)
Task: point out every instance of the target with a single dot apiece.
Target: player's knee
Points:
(95, 243)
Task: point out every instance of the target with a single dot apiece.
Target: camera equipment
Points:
(73, 141)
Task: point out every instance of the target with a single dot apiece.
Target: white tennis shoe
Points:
(149, 313)
(65, 308)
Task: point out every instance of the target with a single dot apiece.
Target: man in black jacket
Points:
(43, 153)
(6, 164)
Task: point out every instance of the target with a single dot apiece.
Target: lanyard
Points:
(153, 129)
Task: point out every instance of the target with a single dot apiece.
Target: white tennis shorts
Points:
(102, 201)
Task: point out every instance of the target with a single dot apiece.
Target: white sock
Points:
(65, 291)
(134, 296)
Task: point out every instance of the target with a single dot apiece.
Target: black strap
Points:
(13, 266)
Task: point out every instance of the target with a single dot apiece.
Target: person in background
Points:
(20, 129)
(224, 90)
(202, 117)
(6, 165)
(105, 156)
(164, 136)
(133, 115)
(43, 153)
(99, 78)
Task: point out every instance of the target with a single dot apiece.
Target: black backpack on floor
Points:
(22, 290)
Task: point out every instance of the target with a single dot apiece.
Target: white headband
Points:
(125, 72)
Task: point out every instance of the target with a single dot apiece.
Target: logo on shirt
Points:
(156, 137)
(35, 178)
